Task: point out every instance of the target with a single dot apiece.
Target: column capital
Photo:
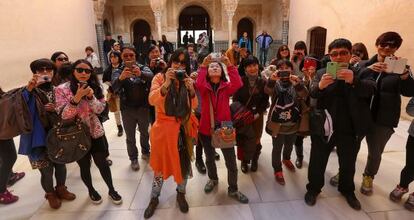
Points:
(157, 5)
(230, 7)
(99, 8)
(285, 9)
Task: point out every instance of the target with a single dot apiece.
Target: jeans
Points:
(263, 55)
(229, 157)
(285, 142)
(131, 117)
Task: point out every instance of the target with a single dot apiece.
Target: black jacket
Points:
(347, 104)
(133, 92)
(260, 100)
(386, 103)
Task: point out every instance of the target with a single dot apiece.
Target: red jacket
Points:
(220, 100)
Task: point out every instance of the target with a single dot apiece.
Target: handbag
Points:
(222, 137)
(68, 140)
(242, 115)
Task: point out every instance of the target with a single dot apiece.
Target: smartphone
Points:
(215, 56)
(332, 68)
(83, 83)
(395, 65)
(43, 79)
(283, 74)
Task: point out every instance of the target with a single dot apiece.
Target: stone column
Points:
(230, 6)
(285, 24)
(157, 6)
(99, 8)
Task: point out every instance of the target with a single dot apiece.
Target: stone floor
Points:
(268, 200)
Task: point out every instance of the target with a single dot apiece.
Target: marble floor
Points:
(268, 200)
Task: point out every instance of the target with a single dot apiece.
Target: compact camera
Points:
(180, 75)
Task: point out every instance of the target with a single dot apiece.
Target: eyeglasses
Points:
(82, 70)
(44, 69)
(62, 59)
(340, 53)
(284, 49)
(390, 44)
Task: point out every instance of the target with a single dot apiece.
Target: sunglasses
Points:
(130, 55)
(340, 53)
(284, 49)
(389, 44)
(62, 59)
(44, 69)
(81, 70)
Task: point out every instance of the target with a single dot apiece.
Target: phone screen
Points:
(129, 64)
(332, 68)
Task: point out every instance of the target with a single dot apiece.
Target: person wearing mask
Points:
(341, 96)
(215, 91)
(233, 53)
(253, 97)
(173, 132)
(34, 144)
(107, 45)
(245, 42)
(299, 52)
(82, 97)
(407, 174)
(286, 91)
(116, 60)
(385, 104)
(132, 81)
(264, 41)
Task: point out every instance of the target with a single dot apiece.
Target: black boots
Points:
(149, 211)
(120, 131)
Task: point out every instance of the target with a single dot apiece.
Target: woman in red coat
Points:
(213, 85)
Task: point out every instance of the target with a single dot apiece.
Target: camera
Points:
(283, 74)
(43, 79)
(180, 75)
(157, 61)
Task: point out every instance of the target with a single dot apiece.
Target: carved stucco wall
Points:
(133, 13)
(109, 16)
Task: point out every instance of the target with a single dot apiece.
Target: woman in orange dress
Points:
(171, 136)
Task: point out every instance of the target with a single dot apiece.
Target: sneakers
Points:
(63, 193)
(14, 177)
(289, 165)
(182, 202)
(115, 197)
(210, 185)
(367, 185)
(279, 178)
(409, 204)
(95, 197)
(149, 211)
(53, 199)
(334, 181)
(244, 166)
(135, 165)
(200, 166)
(120, 131)
(145, 157)
(299, 163)
(397, 193)
(353, 201)
(239, 197)
(7, 198)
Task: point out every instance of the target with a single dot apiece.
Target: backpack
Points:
(286, 109)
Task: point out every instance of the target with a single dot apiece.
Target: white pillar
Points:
(230, 15)
(157, 15)
(230, 6)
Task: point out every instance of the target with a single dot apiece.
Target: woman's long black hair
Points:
(93, 81)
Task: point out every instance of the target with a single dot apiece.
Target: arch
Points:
(194, 19)
(246, 24)
(200, 4)
(140, 28)
(317, 41)
(107, 27)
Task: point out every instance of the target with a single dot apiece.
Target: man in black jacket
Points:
(342, 96)
(385, 104)
(133, 82)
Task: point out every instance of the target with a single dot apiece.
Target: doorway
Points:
(140, 28)
(193, 21)
(245, 25)
(317, 42)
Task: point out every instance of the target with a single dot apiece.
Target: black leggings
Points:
(8, 157)
(99, 157)
(46, 178)
(407, 174)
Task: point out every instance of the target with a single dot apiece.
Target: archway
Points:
(107, 27)
(194, 20)
(245, 25)
(317, 42)
(140, 28)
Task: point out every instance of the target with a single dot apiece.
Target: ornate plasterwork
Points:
(132, 13)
